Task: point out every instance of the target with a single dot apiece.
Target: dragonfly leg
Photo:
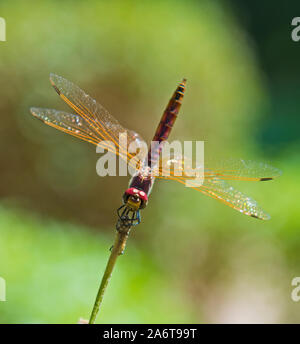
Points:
(138, 217)
(127, 218)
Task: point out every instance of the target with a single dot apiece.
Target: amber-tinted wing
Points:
(74, 125)
(244, 170)
(92, 123)
(214, 184)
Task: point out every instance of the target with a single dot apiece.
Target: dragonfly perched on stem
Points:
(93, 123)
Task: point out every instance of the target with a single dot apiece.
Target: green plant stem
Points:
(117, 249)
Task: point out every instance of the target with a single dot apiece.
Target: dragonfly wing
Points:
(222, 191)
(225, 193)
(72, 124)
(94, 120)
(87, 107)
(245, 170)
(77, 126)
(213, 185)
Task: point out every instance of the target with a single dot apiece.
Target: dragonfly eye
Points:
(135, 198)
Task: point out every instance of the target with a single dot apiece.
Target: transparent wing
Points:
(225, 193)
(87, 107)
(221, 191)
(72, 124)
(77, 126)
(245, 170)
(213, 184)
(93, 123)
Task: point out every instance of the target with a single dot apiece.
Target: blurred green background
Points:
(192, 259)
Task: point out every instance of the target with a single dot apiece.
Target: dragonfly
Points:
(91, 122)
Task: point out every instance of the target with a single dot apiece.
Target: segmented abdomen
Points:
(166, 123)
(162, 133)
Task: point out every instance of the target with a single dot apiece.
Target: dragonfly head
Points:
(135, 199)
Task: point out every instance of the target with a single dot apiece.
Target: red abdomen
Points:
(145, 183)
(167, 121)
